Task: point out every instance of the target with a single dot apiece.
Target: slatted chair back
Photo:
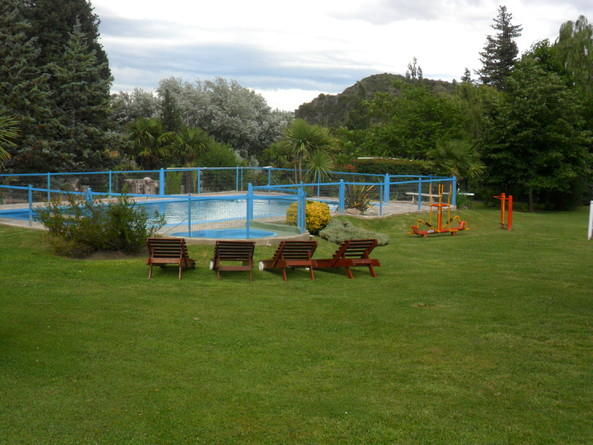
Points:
(292, 254)
(165, 251)
(352, 253)
(233, 251)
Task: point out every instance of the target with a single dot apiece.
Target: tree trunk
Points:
(530, 205)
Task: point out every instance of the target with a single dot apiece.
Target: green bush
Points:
(80, 228)
(340, 230)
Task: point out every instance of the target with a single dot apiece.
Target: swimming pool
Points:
(240, 233)
(212, 210)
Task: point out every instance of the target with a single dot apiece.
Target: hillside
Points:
(346, 109)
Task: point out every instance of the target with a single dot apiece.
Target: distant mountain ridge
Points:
(347, 109)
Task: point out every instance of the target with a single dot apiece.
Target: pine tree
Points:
(500, 52)
(24, 91)
(83, 104)
(52, 22)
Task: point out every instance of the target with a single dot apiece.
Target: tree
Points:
(574, 47)
(414, 71)
(24, 91)
(536, 145)
(467, 76)
(152, 145)
(457, 158)
(229, 112)
(410, 124)
(127, 107)
(83, 105)
(8, 133)
(302, 140)
(170, 115)
(52, 22)
(500, 52)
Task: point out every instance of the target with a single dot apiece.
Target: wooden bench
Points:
(233, 251)
(165, 251)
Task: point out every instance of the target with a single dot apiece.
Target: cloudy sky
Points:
(290, 52)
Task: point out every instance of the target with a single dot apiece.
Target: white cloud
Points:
(290, 50)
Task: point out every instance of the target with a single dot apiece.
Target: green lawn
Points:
(486, 337)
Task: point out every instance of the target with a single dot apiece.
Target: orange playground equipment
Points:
(506, 211)
(440, 227)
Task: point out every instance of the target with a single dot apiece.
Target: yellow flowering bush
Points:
(317, 215)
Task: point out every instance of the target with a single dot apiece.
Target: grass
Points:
(481, 338)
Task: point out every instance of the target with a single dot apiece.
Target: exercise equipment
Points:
(506, 211)
(448, 227)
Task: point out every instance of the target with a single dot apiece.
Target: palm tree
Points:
(457, 158)
(152, 145)
(302, 139)
(8, 132)
(192, 143)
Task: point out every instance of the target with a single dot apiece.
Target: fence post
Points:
(110, 183)
(162, 182)
(269, 176)
(189, 215)
(454, 192)
(342, 195)
(237, 178)
(381, 200)
(301, 210)
(590, 233)
(420, 193)
(386, 188)
(48, 187)
(88, 195)
(318, 182)
(249, 208)
(199, 184)
(30, 199)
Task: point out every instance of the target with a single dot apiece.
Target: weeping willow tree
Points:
(574, 48)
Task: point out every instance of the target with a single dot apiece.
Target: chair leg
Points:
(312, 273)
(284, 274)
(372, 271)
(349, 272)
(180, 271)
(150, 272)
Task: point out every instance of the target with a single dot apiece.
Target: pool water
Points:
(226, 234)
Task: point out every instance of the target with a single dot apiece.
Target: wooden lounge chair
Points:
(292, 254)
(352, 253)
(164, 251)
(233, 251)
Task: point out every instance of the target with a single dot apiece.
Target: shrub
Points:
(82, 227)
(340, 230)
(317, 215)
(359, 196)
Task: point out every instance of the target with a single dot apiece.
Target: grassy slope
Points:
(481, 338)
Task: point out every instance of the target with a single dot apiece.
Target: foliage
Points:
(83, 227)
(574, 48)
(317, 216)
(302, 140)
(500, 53)
(319, 164)
(536, 144)
(55, 81)
(228, 112)
(407, 126)
(128, 107)
(339, 230)
(83, 101)
(457, 158)
(381, 166)
(8, 132)
(24, 91)
(349, 109)
(359, 196)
